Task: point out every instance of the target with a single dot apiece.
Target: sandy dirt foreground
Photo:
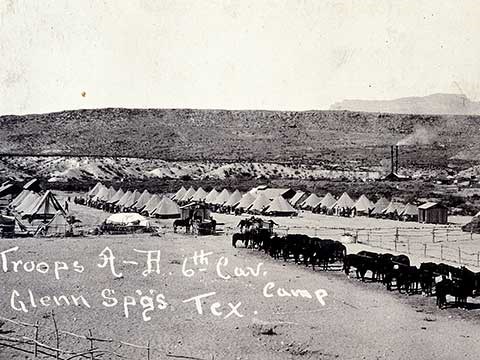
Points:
(358, 321)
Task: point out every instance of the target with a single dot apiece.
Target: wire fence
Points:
(90, 347)
(441, 243)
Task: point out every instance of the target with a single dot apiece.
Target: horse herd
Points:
(393, 271)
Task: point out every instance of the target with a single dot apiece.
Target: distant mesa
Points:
(437, 104)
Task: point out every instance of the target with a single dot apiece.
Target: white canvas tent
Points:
(234, 199)
(45, 208)
(199, 195)
(311, 202)
(280, 207)
(128, 219)
(166, 208)
(363, 205)
(115, 198)
(222, 198)
(380, 206)
(132, 199)
(142, 201)
(19, 198)
(327, 201)
(179, 194)
(58, 226)
(94, 191)
(151, 205)
(212, 195)
(188, 195)
(124, 198)
(246, 201)
(28, 202)
(393, 209)
(259, 205)
(298, 198)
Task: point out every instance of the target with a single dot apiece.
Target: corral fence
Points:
(90, 347)
(444, 243)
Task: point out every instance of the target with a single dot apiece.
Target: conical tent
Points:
(124, 198)
(222, 198)
(94, 191)
(311, 202)
(132, 199)
(327, 201)
(179, 194)
(118, 195)
(344, 202)
(363, 205)
(188, 195)
(152, 204)
(409, 210)
(212, 195)
(58, 226)
(166, 209)
(260, 203)
(246, 201)
(280, 206)
(45, 208)
(199, 195)
(20, 197)
(393, 208)
(28, 202)
(109, 194)
(296, 199)
(142, 201)
(380, 206)
(105, 194)
(234, 199)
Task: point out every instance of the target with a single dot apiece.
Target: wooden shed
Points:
(433, 213)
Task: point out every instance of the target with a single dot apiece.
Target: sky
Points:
(247, 54)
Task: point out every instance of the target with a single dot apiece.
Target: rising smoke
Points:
(421, 136)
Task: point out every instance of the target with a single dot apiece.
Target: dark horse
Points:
(186, 223)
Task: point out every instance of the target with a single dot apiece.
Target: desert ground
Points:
(337, 316)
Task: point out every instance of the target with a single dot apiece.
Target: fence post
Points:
(35, 345)
(425, 249)
(396, 238)
(433, 235)
(446, 233)
(356, 236)
(57, 340)
(478, 258)
(459, 256)
(441, 251)
(90, 337)
(148, 350)
(368, 236)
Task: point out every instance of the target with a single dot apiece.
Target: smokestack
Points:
(396, 159)
(391, 159)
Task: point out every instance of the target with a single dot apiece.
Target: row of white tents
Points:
(260, 200)
(273, 202)
(256, 201)
(362, 206)
(153, 205)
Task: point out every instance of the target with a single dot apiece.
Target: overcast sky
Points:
(287, 55)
